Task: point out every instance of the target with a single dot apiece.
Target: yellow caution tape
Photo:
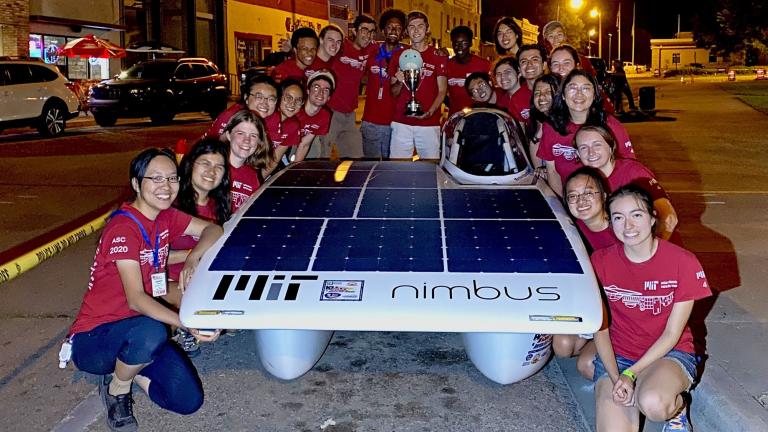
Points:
(16, 267)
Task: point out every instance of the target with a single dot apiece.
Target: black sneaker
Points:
(119, 408)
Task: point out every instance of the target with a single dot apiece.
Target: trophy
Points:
(411, 64)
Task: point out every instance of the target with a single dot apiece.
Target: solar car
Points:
(475, 244)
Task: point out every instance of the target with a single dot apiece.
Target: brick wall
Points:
(14, 27)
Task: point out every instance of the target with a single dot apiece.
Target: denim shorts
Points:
(686, 361)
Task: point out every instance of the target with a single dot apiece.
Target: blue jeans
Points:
(375, 140)
(174, 386)
(686, 361)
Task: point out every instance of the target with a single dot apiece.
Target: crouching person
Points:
(122, 329)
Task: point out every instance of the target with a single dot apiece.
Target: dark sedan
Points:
(160, 89)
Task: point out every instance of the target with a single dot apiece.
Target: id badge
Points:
(381, 92)
(159, 287)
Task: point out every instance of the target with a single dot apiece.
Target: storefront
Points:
(46, 47)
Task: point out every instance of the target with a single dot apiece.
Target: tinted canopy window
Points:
(160, 70)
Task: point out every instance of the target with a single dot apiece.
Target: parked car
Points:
(33, 93)
(604, 75)
(160, 89)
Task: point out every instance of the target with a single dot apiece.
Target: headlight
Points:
(136, 92)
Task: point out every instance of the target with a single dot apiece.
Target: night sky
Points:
(655, 19)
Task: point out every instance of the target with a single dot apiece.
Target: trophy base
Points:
(413, 110)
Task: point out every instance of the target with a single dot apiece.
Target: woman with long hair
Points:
(544, 90)
(121, 330)
(577, 103)
(584, 197)
(596, 148)
(285, 130)
(646, 358)
(250, 154)
(507, 36)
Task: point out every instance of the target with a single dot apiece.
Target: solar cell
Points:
(320, 178)
(395, 226)
(479, 203)
(304, 202)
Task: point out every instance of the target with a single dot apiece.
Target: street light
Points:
(573, 4)
(597, 13)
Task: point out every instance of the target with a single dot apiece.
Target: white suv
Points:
(33, 93)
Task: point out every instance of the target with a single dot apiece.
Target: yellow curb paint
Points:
(16, 267)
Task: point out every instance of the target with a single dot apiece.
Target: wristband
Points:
(631, 375)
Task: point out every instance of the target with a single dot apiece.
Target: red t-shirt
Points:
(283, 132)
(288, 69)
(244, 182)
(219, 126)
(317, 124)
(560, 149)
(379, 105)
(520, 104)
(434, 66)
(641, 295)
(626, 171)
(105, 300)
(457, 73)
(206, 212)
(600, 239)
(503, 99)
(348, 68)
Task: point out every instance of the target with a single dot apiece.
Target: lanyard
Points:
(155, 248)
(386, 56)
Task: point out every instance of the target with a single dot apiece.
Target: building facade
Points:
(681, 52)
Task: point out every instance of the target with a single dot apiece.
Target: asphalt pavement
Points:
(707, 149)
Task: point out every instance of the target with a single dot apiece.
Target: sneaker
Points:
(679, 422)
(119, 408)
(187, 342)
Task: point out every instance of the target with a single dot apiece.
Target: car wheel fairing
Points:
(52, 121)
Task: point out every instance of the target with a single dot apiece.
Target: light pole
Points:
(597, 13)
(610, 37)
(589, 41)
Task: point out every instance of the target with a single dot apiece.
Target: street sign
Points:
(732, 75)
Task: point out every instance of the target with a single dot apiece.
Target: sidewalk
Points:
(692, 153)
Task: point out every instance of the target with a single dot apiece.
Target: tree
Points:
(575, 29)
(731, 26)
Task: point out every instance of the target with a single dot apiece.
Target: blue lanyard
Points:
(155, 248)
(387, 56)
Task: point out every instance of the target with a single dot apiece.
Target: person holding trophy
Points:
(419, 85)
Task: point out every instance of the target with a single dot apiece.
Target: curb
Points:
(29, 254)
(721, 404)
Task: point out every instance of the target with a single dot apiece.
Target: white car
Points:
(33, 93)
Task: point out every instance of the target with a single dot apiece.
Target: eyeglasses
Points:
(480, 88)
(207, 165)
(260, 98)
(317, 88)
(366, 30)
(161, 179)
(587, 196)
(290, 100)
(586, 89)
(540, 93)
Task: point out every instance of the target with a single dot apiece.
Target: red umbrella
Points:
(91, 46)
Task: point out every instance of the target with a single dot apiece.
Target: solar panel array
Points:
(394, 217)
